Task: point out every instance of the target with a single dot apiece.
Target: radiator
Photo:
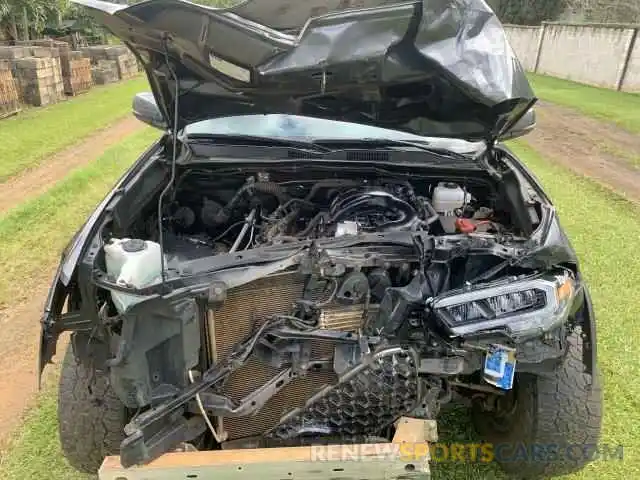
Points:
(245, 308)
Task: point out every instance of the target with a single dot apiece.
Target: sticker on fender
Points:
(500, 366)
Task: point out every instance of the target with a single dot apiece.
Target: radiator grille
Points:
(244, 309)
(247, 305)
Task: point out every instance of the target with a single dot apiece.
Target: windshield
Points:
(316, 129)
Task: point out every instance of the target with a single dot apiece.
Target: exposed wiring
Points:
(296, 322)
(218, 438)
(334, 291)
(219, 237)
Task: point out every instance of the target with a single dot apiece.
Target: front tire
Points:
(91, 418)
(561, 411)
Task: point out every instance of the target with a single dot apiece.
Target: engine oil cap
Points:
(134, 245)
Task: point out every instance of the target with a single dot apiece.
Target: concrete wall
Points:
(602, 55)
(593, 55)
(524, 41)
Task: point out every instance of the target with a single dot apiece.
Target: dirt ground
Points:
(596, 149)
(20, 332)
(36, 181)
(20, 323)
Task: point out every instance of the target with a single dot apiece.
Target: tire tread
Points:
(91, 420)
(563, 408)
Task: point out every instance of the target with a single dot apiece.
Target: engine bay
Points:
(208, 214)
(312, 291)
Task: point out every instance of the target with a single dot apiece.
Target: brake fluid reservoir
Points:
(447, 198)
(133, 263)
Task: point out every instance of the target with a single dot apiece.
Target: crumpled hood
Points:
(431, 67)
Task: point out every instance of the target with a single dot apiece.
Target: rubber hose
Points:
(271, 188)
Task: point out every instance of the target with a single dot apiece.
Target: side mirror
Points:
(522, 126)
(146, 110)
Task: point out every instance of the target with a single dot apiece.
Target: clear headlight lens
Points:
(526, 307)
(498, 306)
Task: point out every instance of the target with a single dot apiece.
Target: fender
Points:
(52, 321)
(589, 350)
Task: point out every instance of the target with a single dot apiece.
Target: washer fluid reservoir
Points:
(447, 198)
(132, 263)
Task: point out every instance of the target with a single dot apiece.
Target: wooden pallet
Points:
(9, 99)
(385, 461)
(78, 77)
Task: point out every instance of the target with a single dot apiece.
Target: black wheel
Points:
(91, 418)
(548, 425)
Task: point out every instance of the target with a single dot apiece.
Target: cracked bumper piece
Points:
(369, 397)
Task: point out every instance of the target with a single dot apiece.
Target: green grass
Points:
(36, 452)
(620, 108)
(50, 219)
(31, 136)
(605, 231)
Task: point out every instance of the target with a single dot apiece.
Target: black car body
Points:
(329, 235)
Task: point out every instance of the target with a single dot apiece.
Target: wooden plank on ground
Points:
(383, 461)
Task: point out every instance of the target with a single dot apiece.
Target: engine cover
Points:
(373, 210)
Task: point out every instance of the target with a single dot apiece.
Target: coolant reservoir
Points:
(447, 198)
(134, 263)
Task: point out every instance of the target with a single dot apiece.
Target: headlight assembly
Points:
(524, 307)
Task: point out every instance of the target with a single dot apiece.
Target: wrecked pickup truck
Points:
(328, 235)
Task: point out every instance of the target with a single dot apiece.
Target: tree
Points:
(528, 12)
(494, 4)
(29, 14)
(606, 11)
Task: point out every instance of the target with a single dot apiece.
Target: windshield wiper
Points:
(255, 141)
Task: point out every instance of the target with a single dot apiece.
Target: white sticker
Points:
(230, 69)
